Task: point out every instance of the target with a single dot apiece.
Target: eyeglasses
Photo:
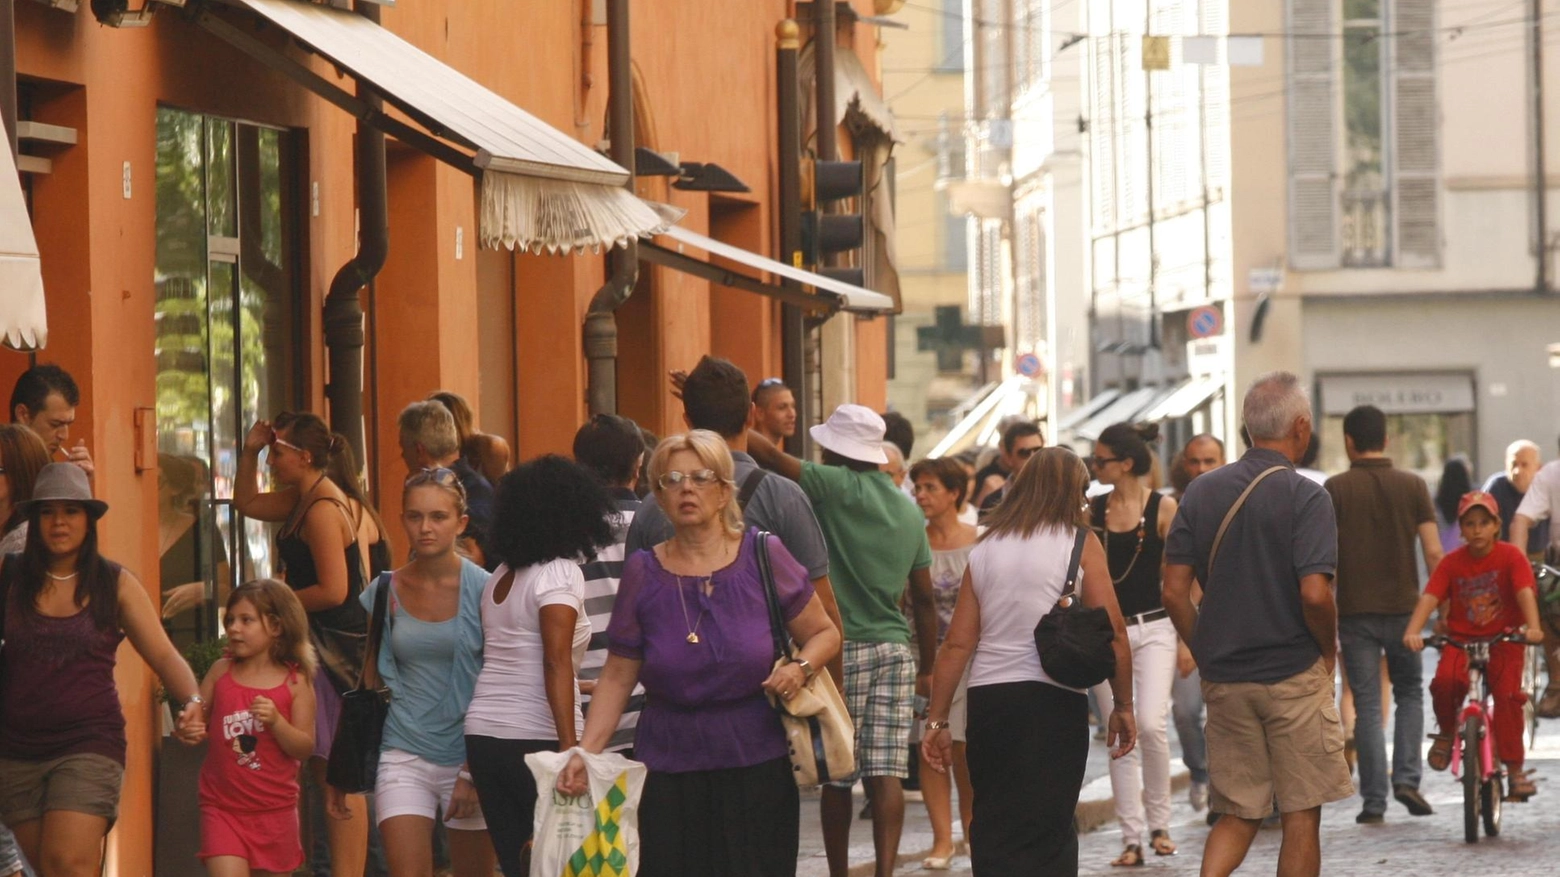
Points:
(1100, 461)
(699, 477)
(1026, 453)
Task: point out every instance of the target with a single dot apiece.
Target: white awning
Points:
(848, 296)
(1190, 395)
(1124, 409)
(1100, 400)
(23, 323)
(540, 188)
(1016, 395)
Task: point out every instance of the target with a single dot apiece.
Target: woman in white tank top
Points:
(1028, 736)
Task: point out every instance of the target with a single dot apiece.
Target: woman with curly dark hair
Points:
(548, 515)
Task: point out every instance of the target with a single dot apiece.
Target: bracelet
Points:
(936, 726)
(1122, 704)
(464, 774)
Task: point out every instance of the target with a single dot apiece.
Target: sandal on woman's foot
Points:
(1440, 757)
(936, 862)
(1160, 840)
(1131, 857)
(1519, 786)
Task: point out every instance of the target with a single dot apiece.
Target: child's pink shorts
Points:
(269, 841)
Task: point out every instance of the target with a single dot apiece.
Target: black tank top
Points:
(1134, 558)
(338, 633)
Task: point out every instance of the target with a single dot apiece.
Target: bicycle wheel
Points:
(1472, 730)
(1531, 666)
(1491, 795)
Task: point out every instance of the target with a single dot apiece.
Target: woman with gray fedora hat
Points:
(62, 734)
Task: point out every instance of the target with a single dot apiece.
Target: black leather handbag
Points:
(1075, 641)
(354, 748)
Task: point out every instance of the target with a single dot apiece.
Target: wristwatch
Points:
(936, 726)
(194, 698)
(807, 668)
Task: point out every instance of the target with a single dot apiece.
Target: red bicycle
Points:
(1474, 760)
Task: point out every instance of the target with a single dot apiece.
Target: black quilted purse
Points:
(1074, 640)
(354, 749)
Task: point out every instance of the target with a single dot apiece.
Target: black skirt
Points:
(1028, 750)
(740, 822)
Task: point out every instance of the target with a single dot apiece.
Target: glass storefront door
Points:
(226, 350)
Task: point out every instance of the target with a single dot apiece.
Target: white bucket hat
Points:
(853, 431)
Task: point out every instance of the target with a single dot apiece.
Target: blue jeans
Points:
(1364, 638)
(1186, 707)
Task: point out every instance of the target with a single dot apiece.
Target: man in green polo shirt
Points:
(877, 544)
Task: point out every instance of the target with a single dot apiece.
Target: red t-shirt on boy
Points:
(1482, 590)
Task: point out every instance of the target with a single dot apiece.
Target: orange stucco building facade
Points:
(500, 328)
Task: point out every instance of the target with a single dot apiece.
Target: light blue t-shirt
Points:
(424, 719)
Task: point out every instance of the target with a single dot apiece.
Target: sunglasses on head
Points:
(440, 475)
(278, 440)
(766, 383)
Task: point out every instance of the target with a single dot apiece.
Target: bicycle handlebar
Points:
(1441, 641)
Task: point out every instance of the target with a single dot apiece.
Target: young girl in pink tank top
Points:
(260, 721)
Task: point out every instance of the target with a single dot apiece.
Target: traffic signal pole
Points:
(793, 329)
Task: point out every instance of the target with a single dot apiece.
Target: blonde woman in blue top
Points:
(429, 658)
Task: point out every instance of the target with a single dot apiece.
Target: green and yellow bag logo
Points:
(603, 853)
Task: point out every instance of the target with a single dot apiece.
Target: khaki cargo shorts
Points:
(1272, 741)
(82, 783)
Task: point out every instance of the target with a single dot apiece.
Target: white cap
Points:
(853, 431)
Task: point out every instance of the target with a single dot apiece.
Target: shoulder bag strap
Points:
(1074, 564)
(750, 487)
(766, 573)
(1230, 515)
(368, 679)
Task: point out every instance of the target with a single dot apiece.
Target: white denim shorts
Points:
(411, 786)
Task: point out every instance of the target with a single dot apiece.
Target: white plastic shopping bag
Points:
(592, 835)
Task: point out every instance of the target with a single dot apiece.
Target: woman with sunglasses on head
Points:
(1132, 521)
(62, 737)
(429, 657)
(549, 514)
(692, 623)
(323, 561)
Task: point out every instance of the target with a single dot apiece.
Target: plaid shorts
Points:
(880, 694)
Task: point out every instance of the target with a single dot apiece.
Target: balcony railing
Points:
(1364, 228)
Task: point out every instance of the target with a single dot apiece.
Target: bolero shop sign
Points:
(1398, 393)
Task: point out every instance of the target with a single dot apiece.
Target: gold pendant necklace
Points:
(693, 629)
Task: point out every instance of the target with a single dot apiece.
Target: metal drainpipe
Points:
(344, 332)
(601, 331)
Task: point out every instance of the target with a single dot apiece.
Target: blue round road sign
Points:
(1028, 365)
(1205, 322)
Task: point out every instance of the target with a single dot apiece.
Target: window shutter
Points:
(1415, 120)
(1102, 133)
(1313, 123)
(1215, 85)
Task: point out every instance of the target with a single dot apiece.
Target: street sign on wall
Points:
(1205, 322)
(1028, 365)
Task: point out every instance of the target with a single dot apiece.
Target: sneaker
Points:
(1197, 795)
(1368, 818)
(1409, 797)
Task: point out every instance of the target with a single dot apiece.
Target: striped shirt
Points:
(601, 586)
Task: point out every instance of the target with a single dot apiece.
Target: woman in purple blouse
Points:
(692, 624)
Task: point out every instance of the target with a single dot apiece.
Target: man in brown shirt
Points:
(1381, 510)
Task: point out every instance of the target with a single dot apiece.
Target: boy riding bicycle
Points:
(1483, 589)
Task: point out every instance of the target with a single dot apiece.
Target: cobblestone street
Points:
(1430, 846)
